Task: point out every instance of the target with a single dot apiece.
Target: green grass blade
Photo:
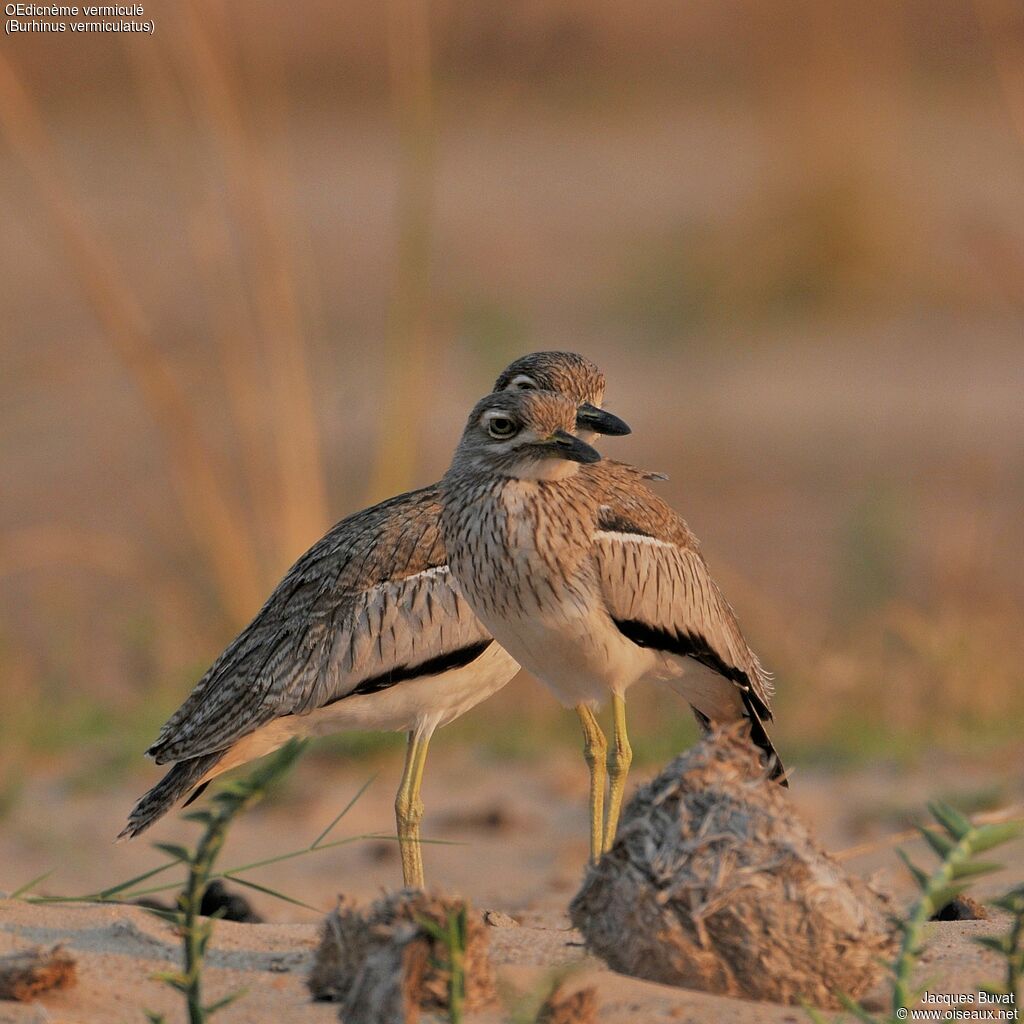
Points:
(221, 1004)
(273, 892)
(18, 893)
(348, 807)
(973, 868)
(114, 889)
(179, 853)
(996, 943)
(851, 1006)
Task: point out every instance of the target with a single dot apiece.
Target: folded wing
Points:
(370, 604)
(660, 594)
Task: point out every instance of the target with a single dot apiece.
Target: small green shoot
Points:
(957, 843)
(1009, 946)
(196, 932)
(126, 892)
(453, 936)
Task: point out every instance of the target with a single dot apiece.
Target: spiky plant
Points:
(196, 931)
(1009, 946)
(957, 843)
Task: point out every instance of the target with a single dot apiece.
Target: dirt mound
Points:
(394, 960)
(714, 883)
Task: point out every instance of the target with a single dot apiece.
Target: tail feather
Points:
(758, 735)
(174, 785)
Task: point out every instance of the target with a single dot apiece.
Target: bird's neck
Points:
(503, 536)
(533, 470)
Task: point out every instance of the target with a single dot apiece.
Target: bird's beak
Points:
(564, 445)
(589, 417)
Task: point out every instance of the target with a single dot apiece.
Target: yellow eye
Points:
(501, 427)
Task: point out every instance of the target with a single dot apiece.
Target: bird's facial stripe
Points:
(632, 538)
(522, 382)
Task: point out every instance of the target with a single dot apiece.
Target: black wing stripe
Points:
(758, 734)
(431, 667)
(196, 794)
(693, 645)
(615, 522)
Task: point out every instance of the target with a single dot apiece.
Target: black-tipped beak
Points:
(589, 417)
(567, 446)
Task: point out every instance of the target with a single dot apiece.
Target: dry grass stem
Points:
(199, 478)
(253, 198)
(407, 346)
(885, 842)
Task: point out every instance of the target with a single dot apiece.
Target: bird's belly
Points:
(428, 701)
(577, 652)
(433, 700)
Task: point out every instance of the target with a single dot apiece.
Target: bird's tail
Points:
(174, 785)
(769, 755)
(758, 735)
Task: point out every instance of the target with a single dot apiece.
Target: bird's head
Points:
(567, 374)
(524, 435)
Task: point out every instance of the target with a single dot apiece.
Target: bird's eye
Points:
(501, 427)
(525, 384)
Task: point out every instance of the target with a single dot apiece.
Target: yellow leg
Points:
(595, 750)
(618, 769)
(409, 810)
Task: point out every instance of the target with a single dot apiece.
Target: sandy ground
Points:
(119, 948)
(513, 840)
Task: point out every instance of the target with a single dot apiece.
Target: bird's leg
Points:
(595, 750)
(409, 810)
(618, 769)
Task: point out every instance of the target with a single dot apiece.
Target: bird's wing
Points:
(657, 587)
(370, 604)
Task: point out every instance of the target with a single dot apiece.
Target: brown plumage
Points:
(585, 576)
(366, 631)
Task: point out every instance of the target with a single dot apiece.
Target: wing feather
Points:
(371, 600)
(662, 588)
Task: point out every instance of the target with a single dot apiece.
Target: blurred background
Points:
(255, 268)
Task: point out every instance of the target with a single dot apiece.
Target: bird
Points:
(366, 631)
(591, 582)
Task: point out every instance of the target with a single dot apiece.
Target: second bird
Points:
(591, 582)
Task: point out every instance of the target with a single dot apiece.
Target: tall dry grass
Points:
(208, 508)
(830, 234)
(409, 343)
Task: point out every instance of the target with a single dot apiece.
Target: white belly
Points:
(422, 704)
(577, 652)
(582, 657)
(429, 700)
